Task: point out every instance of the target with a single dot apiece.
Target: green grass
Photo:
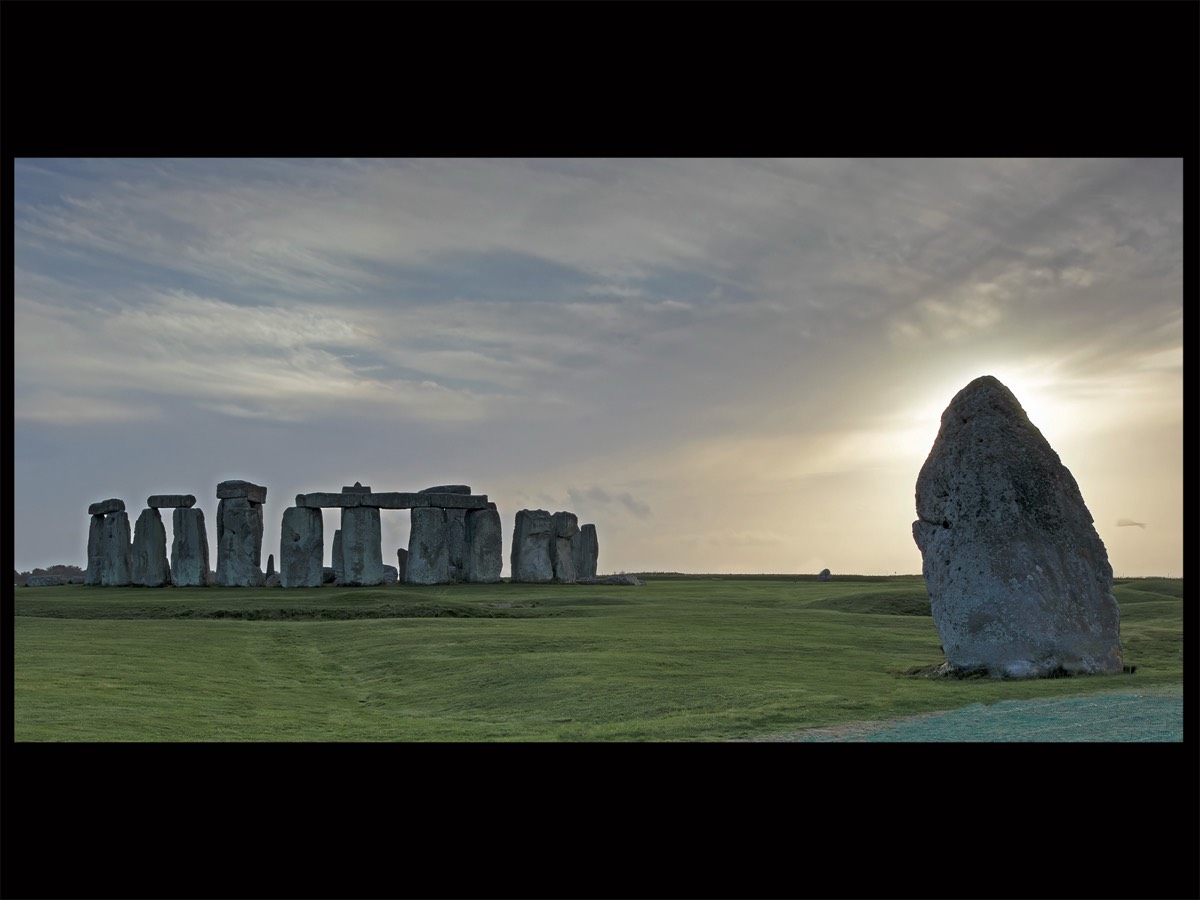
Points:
(682, 658)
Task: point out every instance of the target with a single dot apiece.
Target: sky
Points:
(726, 365)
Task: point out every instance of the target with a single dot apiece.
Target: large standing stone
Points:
(95, 552)
(148, 566)
(483, 552)
(114, 568)
(565, 527)
(301, 547)
(362, 547)
(529, 558)
(1018, 579)
(189, 548)
(456, 540)
(585, 550)
(239, 542)
(428, 547)
(336, 558)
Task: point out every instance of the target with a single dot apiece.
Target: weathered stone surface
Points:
(394, 500)
(171, 501)
(483, 546)
(401, 564)
(389, 575)
(458, 501)
(301, 548)
(239, 542)
(272, 580)
(355, 488)
(1019, 581)
(148, 566)
(189, 548)
(585, 550)
(75, 579)
(114, 569)
(446, 489)
(44, 580)
(456, 539)
(428, 548)
(95, 552)
(362, 548)
(230, 490)
(325, 500)
(565, 527)
(106, 506)
(328, 575)
(529, 558)
(386, 500)
(336, 556)
(824, 575)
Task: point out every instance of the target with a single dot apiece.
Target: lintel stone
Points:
(230, 490)
(104, 507)
(168, 501)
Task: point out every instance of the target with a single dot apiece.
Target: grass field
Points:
(682, 658)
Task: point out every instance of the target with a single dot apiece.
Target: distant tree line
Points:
(65, 572)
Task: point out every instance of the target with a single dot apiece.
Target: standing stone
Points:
(456, 539)
(95, 551)
(565, 527)
(401, 563)
(239, 542)
(114, 568)
(530, 555)
(301, 548)
(455, 532)
(389, 575)
(1018, 579)
(483, 552)
(270, 564)
(148, 556)
(824, 575)
(189, 548)
(362, 547)
(428, 547)
(338, 569)
(585, 550)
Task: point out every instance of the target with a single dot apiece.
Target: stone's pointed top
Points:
(985, 393)
(106, 506)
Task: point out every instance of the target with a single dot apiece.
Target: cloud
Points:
(596, 495)
(1125, 523)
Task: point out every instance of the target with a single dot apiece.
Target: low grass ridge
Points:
(679, 659)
